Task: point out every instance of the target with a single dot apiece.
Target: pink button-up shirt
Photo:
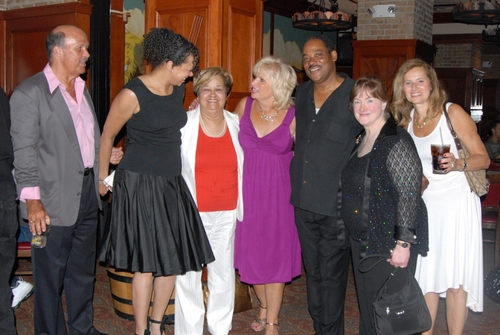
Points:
(83, 120)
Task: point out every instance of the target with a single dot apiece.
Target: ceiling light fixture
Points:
(317, 17)
(477, 12)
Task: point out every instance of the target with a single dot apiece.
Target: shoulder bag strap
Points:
(458, 143)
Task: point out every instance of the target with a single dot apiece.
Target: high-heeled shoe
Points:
(259, 324)
(161, 323)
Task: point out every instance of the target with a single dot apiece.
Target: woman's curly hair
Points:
(163, 45)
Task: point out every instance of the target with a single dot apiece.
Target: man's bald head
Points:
(57, 37)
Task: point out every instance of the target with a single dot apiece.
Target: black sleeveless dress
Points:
(155, 225)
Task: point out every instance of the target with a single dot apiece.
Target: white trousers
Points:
(189, 307)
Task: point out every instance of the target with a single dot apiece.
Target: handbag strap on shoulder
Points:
(452, 131)
(449, 121)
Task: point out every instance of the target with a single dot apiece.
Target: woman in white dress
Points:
(453, 267)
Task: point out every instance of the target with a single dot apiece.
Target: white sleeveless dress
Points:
(455, 237)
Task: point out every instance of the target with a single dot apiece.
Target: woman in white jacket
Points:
(212, 162)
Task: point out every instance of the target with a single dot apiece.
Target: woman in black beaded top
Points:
(381, 196)
(155, 230)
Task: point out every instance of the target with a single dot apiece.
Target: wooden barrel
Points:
(121, 291)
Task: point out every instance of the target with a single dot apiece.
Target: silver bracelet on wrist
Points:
(465, 165)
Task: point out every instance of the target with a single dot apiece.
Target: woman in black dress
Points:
(156, 231)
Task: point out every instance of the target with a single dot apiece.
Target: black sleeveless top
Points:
(154, 132)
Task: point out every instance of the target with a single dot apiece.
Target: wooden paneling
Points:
(117, 51)
(457, 39)
(242, 46)
(461, 86)
(383, 58)
(230, 35)
(25, 33)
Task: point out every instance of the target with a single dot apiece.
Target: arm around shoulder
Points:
(240, 108)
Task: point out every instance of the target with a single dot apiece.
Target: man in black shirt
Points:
(325, 136)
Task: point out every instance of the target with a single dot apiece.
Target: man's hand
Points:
(37, 216)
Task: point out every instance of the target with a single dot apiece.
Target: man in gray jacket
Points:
(55, 135)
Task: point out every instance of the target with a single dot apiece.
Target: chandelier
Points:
(317, 17)
(477, 12)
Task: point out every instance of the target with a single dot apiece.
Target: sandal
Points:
(273, 324)
(259, 324)
(161, 323)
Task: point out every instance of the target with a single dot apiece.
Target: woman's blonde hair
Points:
(401, 107)
(209, 73)
(283, 80)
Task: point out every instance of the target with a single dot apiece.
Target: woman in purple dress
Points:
(267, 249)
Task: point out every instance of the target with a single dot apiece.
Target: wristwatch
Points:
(403, 244)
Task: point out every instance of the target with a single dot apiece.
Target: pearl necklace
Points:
(268, 117)
(421, 126)
(208, 133)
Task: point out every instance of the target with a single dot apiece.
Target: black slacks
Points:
(68, 263)
(326, 263)
(368, 284)
(8, 245)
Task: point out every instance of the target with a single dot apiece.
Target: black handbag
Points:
(492, 285)
(400, 309)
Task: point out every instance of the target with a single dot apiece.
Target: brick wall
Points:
(15, 4)
(469, 55)
(454, 55)
(413, 20)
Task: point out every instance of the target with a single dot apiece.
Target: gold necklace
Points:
(421, 126)
(268, 117)
(208, 133)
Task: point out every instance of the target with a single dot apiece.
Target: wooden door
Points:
(228, 33)
(382, 58)
(25, 33)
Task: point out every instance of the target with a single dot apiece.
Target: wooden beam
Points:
(457, 39)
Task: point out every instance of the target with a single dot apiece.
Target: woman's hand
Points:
(103, 189)
(425, 184)
(400, 256)
(451, 163)
(116, 155)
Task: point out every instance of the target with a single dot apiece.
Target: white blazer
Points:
(188, 152)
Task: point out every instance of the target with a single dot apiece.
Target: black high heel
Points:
(161, 323)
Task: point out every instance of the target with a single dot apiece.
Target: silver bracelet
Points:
(465, 165)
